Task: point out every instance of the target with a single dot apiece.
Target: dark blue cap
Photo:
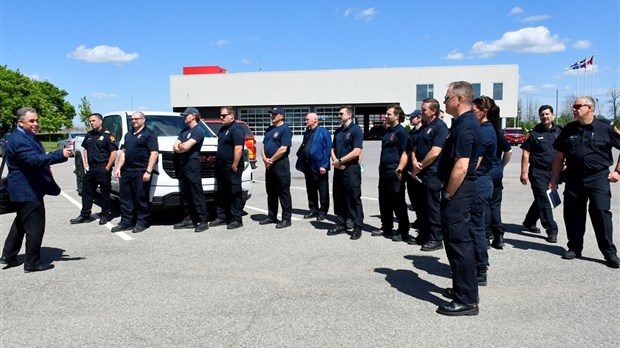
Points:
(277, 110)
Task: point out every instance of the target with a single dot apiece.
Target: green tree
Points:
(85, 110)
(17, 91)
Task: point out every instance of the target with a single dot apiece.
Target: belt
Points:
(541, 167)
(95, 165)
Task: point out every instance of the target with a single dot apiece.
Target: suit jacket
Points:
(30, 177)
(319, 151)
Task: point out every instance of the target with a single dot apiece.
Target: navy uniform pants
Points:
(430, 209)
(134, 198)
(96, 176)
(229, 195)
(455, 219)
(540, 208)
(191, 187)
(347, 195)
(579, 190)
(278, 186)
(392, 201)
(494, 225)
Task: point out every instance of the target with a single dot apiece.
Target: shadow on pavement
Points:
(50, 254)
(431, 265)
(409, 283)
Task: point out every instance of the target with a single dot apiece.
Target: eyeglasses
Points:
(342, 113)
(223, 115)
(578, 106)
(446, 98)
(137, 119)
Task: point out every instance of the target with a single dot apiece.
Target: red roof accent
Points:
(208, 69)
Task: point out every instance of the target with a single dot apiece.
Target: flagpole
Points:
(585, 74)
(592, 85)
(577, 86)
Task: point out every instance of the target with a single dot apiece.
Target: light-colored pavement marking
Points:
(121, 234)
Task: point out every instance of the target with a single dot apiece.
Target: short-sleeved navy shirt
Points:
(463, 142)
(195, 133)
(228, 137)
(497, 170)
(587, 148)
(488, 148)
(430, 135)
(539, 143)
(393, 145)
(275, 137)
(99, 145)
(138, 148)
(347, 139)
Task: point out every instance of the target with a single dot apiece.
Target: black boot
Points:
(482, 275)
(498, 241)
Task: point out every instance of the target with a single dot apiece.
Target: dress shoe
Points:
(613, 261)
(120, 227)
(201, 227)
(531, 228)
(9, 262)
(268, 221)
(320, 217)
(310, 215)
(456, 309)
(482, 275)
(397, 237)
(449, 293)
(338, 229)
(38, 268)
(432, 245)
(184, 224)
(103, 219)
(80, 219)
(570, 255)
(217, 222)
(350, 224)
(498, 242)
(377, 233)
(234, 225)
(284, 224)
(552, 238)
(356, 234)
(138, 229)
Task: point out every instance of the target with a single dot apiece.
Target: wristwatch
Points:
(149, 173)
(340, 161)
(447, 195)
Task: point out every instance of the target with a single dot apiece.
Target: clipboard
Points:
(554, 198)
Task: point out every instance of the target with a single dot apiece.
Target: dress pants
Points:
(392, 201)
(347, 194)
(278, 186)
(229, 195)
(191, 187)
(96, 176)
(134, 198)
(29, 221)
(579, 190)
(455, 219)
(430, 209)
(540, 208)
(317, 188)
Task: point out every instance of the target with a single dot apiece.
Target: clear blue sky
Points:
(120, 54)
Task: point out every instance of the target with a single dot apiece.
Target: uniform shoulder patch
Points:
(106, 132)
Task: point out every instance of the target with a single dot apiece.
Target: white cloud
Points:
(102, 54)
(533, 88)
(526, 40)
(535, 18)
(221, 42)
(34, 77)
(363, 14)
(582, 44)
(455, 54)
(246, 61)
(348, 11)
(515, 10)
(102, 95)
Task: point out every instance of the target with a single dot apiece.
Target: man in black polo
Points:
(457, 170)
(100, 153)
(347, 193)
(188, 146)
(228, 170)
(136, 162)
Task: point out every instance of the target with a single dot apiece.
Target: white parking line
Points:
(265, 212)
(123, 235)
(304, 189)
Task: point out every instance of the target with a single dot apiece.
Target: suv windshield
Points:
(169, 125)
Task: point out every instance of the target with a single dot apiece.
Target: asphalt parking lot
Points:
(296, 287)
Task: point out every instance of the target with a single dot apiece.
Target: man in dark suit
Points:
(29, 179)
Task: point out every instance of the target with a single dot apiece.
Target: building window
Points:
(423, 92)
(476, 90)
(498, 91)
(328, 117)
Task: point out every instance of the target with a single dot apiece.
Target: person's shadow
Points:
(50, 254)
(409, 283)
(431, 265)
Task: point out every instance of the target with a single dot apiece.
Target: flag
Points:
(574, 66)
(582, 63)
(590, 61)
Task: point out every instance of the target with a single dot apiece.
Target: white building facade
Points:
(323, 91)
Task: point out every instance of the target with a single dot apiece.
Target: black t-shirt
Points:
(186, 134)
(99, 145)
(227, 138)
(347, 139)
(138, 148)
(539, 143)
(463, 141)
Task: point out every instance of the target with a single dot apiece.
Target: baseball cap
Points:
(415, 113)
(190, 111)
(276, 110)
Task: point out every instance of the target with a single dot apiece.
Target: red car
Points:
(250, 141)
(514, 136)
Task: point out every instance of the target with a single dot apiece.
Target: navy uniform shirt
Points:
(539, 142)
(186, 134)
(275, 137)
(488, 148)
(138, 148)
(347, 139)
(99, 145)
(497, 170)
(227, 138)
(587, 148)
(393, 145)
(463, 141)
(430, 135)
